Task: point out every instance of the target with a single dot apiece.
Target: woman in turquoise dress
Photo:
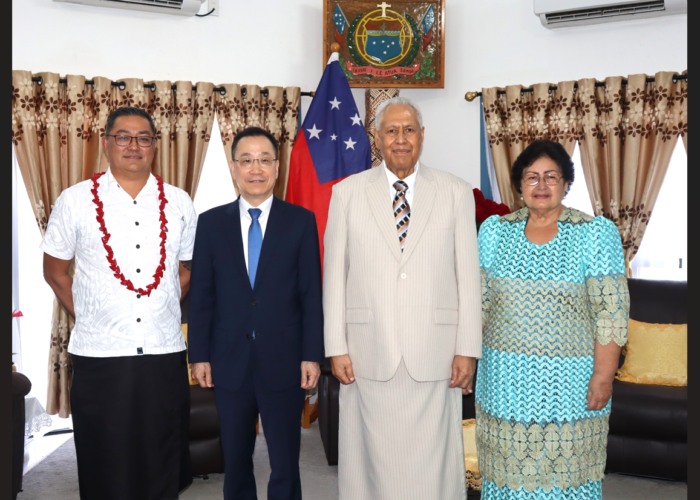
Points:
(555, 311)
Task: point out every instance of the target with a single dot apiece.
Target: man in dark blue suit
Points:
(256, 318)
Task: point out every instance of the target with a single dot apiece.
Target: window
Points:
(215, 184)
(578, 196)
(663, 254)
(36, 296)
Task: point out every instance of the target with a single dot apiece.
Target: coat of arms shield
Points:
(397, 44)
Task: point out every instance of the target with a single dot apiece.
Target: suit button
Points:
(404, 276)
(254, 303)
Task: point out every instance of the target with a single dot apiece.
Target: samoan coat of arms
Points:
(397, 44)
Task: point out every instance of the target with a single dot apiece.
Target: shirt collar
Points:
(410, 180)
(109, 182)
(264, 206)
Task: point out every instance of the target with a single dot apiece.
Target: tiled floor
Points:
(56, 477)
(39, 446)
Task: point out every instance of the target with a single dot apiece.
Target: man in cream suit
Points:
(402, 308)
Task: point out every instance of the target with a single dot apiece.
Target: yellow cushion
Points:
(471, 464)
(189, 366)
(657, 354)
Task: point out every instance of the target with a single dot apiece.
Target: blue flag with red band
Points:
(331, 145)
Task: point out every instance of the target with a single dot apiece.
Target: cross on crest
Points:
(383, 6)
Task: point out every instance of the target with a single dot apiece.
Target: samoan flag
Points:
(331, 145)
(428, 22)
(340, 23)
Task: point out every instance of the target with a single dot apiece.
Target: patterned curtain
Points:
(244, 106)
(515, 119)
(183, 118)
(626, 133)
(56, 131)
(373, 98)
(627, 137)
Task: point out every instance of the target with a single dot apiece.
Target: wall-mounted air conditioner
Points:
(176, 7)
(564, 13)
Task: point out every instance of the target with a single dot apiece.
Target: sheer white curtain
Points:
(663, 254)
(578, 196)
(36, 296)
(16, 338)
(215, 185)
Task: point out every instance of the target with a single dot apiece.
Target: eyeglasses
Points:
(143, 141)
(263, 162)
(534, 179)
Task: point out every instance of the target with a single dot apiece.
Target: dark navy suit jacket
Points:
(284, 308)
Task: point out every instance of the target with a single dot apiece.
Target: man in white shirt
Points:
(256, 318)
(402, 309)
(132, 237)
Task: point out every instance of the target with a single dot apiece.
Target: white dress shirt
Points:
(110, 319)
(410, 181)
(246, 220)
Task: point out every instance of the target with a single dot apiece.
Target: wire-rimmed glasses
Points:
(550, 179)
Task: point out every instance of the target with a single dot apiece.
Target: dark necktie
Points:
(402, 211)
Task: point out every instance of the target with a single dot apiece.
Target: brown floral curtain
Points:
(517, 118)
(238, 107)
(56, 132)
(626, 132)
(627, 135)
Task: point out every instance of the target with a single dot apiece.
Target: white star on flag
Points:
(314, 132)
(356, 120)
(350, 144)
(335, 103)
(334, 137)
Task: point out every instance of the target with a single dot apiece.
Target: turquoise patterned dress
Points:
(544, 306)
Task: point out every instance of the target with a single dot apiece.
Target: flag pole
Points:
(335, 53)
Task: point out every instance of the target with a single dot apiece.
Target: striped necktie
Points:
(402, 212)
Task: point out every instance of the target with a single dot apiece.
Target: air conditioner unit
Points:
(564, 13)
(176, 7)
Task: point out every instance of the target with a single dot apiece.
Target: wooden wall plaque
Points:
(396, 43)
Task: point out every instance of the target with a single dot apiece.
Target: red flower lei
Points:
(110, 253)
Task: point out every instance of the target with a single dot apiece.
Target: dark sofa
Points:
(20, 388)
(206, 453)
(648, 423)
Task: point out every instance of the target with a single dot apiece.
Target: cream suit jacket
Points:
(422, 304)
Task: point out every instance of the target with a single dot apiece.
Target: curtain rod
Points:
(470, 96)
(152, 87)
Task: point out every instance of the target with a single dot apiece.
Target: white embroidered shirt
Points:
(110, 319)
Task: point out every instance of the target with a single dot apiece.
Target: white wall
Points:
(278, 42)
